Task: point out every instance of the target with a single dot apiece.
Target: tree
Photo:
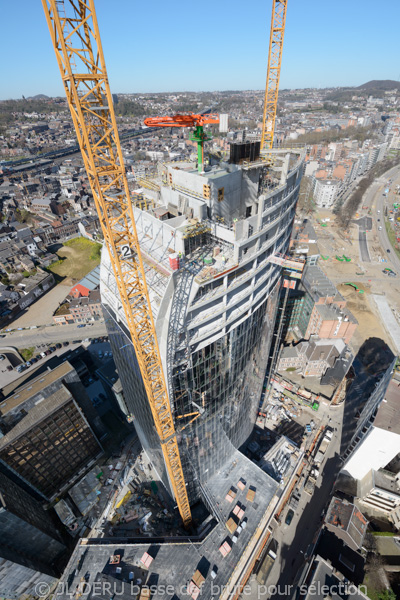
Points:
(386, 595)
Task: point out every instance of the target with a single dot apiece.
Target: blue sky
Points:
(170, 46)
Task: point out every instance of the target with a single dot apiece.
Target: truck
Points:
(311, 481)
(320, 455)
(265, 566)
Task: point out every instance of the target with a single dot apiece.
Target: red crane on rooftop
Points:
(188, 120)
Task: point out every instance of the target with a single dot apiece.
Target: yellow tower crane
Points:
(75, 35)
(274, 71)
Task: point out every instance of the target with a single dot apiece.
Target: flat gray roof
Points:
(175, 560)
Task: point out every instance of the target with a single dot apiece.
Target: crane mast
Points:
(76, 40)
(274, 71)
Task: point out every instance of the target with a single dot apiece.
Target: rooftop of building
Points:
(174, 561)
(376, 450)
(348, 562)
(388, 415)
(33, 387)
(332, 312)
(42, 409)
(91, 281)
(93, 298)
(335, 374)
(317, 283)
(325, 582)
(345, 516)
(34, 280)
(388, 547)
(329, 181)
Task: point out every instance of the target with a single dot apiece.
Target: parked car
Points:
(2, 357)
(65, 343)
(81, 325)
(58, 346)
(289, 516)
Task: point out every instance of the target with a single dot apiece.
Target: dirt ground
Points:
(77, 260)
(367, 276)
(363, 309)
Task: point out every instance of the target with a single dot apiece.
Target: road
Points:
(392, 257)
(52, 334)
(296, 541)
(364, 225)
(375, 200)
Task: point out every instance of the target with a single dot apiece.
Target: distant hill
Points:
(380, 84)
(39, 97)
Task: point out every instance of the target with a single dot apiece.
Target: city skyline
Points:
(206, 54)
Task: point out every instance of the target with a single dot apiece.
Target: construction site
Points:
(190, 279)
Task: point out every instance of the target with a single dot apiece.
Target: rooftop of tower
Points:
(214, 217)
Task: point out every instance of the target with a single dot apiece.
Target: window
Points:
(206, 191)
(221, 194)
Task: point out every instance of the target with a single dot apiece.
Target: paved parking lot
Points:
(41, 311)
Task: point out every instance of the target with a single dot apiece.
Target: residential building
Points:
(312, 358)
(23, 295)
(330, 322)
(316, 307)
(322, 581)
(326, 191)
(86, 308)
(346, 522)
(62, 315)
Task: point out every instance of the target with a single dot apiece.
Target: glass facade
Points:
(214, 323)
(51, 452)
(223, 384)
(134, 395)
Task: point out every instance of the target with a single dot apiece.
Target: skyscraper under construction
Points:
(208, 240)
